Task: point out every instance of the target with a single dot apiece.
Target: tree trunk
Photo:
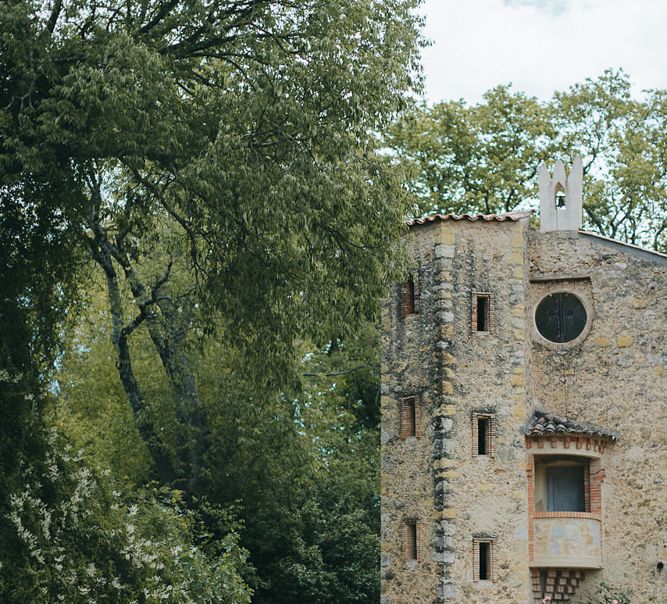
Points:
(176, 362)
(169, 336)
(119, 338)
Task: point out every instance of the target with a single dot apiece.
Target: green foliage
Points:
(300, 471)
(77, 541)
(340, 519)
(606, 594)
(91, 407)
(304, 471)
(481, 158)
(250, 122)
(243, 128)
(484, 158)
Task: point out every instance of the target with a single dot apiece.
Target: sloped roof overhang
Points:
(542, 424)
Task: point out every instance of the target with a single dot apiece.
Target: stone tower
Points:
(523, 390)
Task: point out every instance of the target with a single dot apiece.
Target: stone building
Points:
(523, 398)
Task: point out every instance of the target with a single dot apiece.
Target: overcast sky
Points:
(541, 45)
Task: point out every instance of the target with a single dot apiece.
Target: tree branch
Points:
(161, 14)
(53, 17)
(336, 373)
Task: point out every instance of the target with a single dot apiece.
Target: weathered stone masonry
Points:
(612, 375)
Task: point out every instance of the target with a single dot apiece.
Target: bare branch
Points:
(53, 17)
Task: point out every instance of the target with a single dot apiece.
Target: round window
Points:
(560, 317)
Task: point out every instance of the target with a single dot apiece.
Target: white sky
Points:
(541, 45)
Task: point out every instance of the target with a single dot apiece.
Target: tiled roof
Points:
(547, 424)
(511, 216)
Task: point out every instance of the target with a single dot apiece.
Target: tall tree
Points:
(240, 132)
(299, 467)
(622, 141)
(473, 158)
(249, 125)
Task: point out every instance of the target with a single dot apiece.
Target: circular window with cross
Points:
(561, 317)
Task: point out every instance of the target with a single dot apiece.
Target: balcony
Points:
(567, 539)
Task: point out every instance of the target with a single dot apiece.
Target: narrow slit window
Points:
(483, 435)
(483, 558)
(409, 417)
(411, 540)
(409, 297)
(484, 561)
(481, 312)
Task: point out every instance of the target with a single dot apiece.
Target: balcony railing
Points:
(567, 540)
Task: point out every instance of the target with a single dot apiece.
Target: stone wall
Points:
(456, 495)
(410, 367)
(612, 376)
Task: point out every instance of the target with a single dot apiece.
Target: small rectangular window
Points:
(484, 561)
(481, 312)
(410, 544)
(482, 436)
(483, 433)
(409, 412)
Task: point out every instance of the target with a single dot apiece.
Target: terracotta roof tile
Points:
(511, 216)
(547, 424)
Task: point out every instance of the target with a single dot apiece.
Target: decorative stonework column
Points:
(444, 410)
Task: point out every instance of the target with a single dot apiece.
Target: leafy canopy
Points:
(247, 126)
(484, 157)
(248, 122)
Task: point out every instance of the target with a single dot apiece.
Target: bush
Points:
(606, 594)
(76, 541)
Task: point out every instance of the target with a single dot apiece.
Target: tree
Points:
(101, 546)
(298, 467)
(248, 125)
(473, 158)
(238, 133)
(622, 141)
(484, 158)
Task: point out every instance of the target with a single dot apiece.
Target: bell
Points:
(560, 199)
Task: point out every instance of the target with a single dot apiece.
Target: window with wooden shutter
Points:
(409, 417)
(410, 538)
(410, 296)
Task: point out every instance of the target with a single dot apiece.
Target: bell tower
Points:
(561, 202)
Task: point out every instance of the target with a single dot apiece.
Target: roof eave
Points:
(505, 217)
